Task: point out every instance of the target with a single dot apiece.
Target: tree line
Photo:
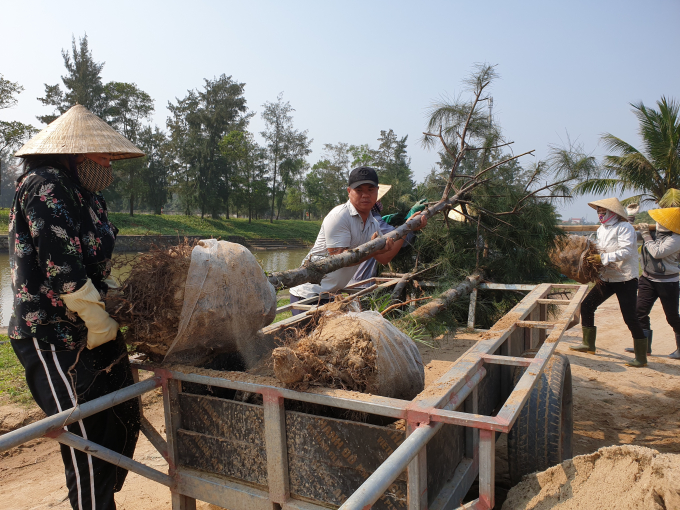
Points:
(205, 160)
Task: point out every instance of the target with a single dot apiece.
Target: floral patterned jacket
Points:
(59, 236)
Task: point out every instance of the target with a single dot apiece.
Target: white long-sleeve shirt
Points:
(618, 249)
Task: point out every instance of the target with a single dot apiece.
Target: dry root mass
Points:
(359, 351)
(149, 301)
(338, 353)
(571, 257)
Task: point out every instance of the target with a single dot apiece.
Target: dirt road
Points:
(613, 404)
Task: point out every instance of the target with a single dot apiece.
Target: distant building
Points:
(575, 221)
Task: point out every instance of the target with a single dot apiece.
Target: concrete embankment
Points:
(144, 243)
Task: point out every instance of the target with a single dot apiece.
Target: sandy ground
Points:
(613, 404)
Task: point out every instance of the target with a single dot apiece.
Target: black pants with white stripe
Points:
(59, 378)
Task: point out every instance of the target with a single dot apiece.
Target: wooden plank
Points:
(329, 459)
(227, 419)
(535, 324)
(236, 459)
(277, 449)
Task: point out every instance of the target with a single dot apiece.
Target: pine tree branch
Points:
(502, 162)
(313, 272)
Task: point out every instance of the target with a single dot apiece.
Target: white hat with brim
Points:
(79, 131)
(383, 189)
(611, 204)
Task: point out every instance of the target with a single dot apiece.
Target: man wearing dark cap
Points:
(347, 226)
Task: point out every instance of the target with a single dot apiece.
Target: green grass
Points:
(12, 382)
(193, 225)
(284, 315)
(143, 224)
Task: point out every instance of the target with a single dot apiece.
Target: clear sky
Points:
(352, 68)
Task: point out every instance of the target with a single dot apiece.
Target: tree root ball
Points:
(150, 299)
(357, 351)
(571, 257)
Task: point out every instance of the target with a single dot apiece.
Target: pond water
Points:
(274, 260)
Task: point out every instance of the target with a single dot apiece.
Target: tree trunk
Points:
(271, 219)
(278, 211)
(442, 302)
(132, 202)
(313, 272)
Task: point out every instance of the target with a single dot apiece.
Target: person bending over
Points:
(347, 226)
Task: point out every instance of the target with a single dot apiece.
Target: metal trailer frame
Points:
(424, 416)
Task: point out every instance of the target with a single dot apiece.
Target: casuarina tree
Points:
(248, 160)
(129, 109)
(283, 142)
(82, 83)
(13, 134)
(198, 123)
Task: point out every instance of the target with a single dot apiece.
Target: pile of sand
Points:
(570, 256)
(616, 477)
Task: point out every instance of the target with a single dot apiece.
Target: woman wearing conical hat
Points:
(617, 241)
(60, 247)
(659, 278)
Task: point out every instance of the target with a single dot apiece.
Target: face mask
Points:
(93, 176)
(661, 228)
(605, 216)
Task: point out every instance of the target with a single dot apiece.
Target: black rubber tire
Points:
(543, 433)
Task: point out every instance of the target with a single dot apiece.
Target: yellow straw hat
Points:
(383, 189)
(611, 204)
(79, 131)
(668, 217)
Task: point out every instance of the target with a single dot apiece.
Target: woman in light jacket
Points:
(659, 279)
(617, 241)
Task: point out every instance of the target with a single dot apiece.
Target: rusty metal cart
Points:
(284, 454)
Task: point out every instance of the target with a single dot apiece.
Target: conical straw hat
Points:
(79, 131)
(611, 204)
(383, 189)
(668, 217)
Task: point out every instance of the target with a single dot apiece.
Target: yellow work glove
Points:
(87, 303)
(595, 259)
